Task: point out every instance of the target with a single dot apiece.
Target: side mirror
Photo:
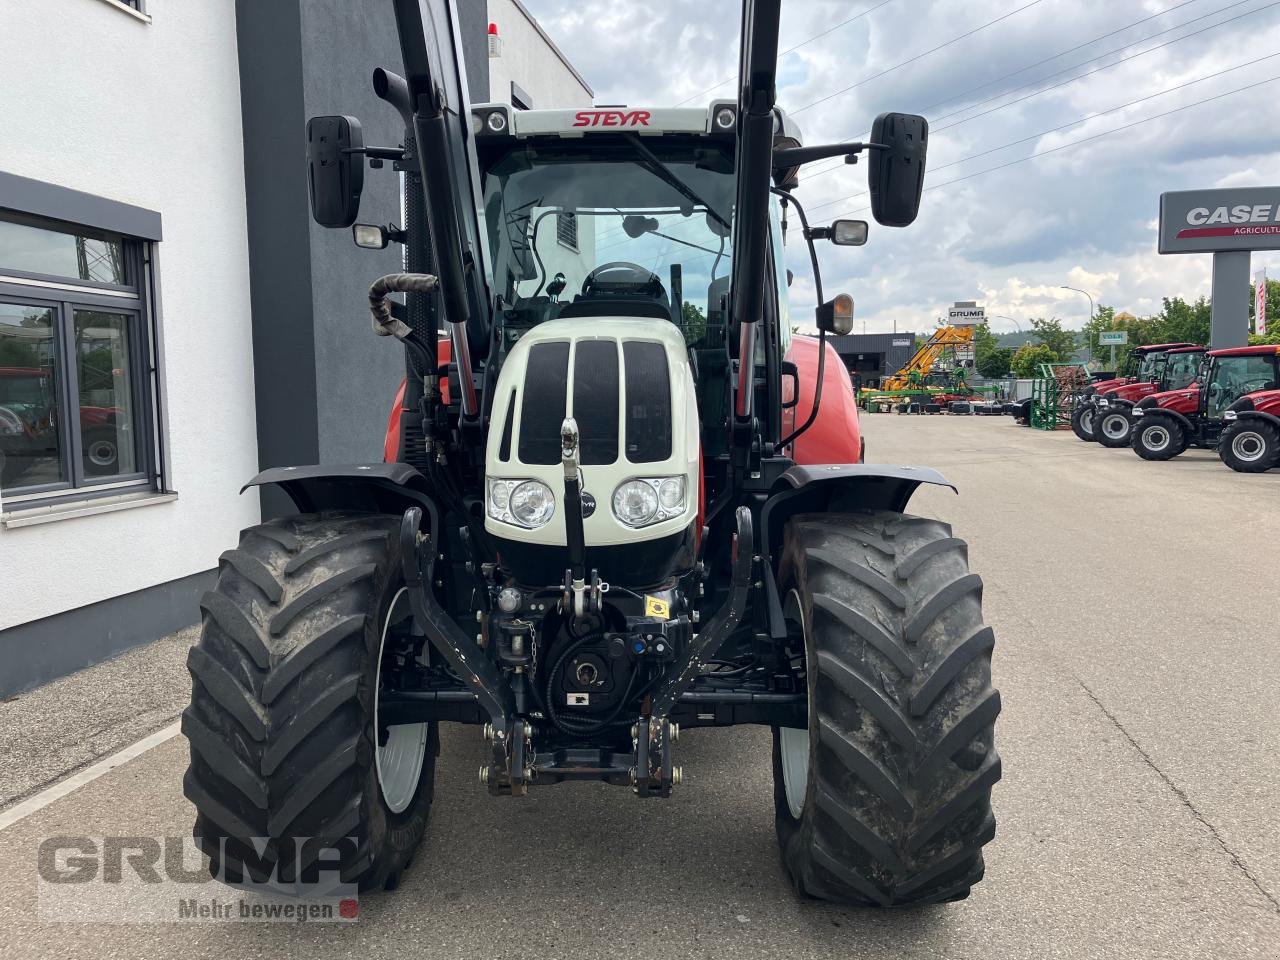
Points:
(836, 315)
(335, 169)
(895, 169)
(790, 384)
(849, 233)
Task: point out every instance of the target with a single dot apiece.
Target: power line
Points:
(1084, 140)
(918, 56)
(792, 49)
(1141, 53)
(1058, 56)
(823, 170)
(1072, 123)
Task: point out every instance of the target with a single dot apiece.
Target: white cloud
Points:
(1083, 215)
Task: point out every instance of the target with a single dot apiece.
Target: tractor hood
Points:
(628, 385)
(1132, 392)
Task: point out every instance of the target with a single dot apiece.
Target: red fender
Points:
(836, 435)
(391, 442)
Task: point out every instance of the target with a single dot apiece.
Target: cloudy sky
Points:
(1000, 81)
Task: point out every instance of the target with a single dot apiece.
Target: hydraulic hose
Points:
(384, 324)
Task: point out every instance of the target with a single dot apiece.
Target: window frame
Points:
(64, 296)
(132, 278)
(567, 218)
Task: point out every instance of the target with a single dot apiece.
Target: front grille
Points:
(648, 420)
(546, 386)
(595, 399)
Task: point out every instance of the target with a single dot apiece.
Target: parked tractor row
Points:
(1186, 396)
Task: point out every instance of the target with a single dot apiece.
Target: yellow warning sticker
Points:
(653, 607)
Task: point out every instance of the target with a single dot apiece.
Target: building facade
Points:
(871, 356)
(171, 320)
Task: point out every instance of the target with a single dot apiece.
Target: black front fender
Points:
(818, 488)
(366, 487)
(1270, 418)
(1148, 412)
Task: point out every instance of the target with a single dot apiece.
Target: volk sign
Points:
(1209, 221)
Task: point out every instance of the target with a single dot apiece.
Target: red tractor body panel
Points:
(836, 434)
(1133, 391)
(1102, 386)
(391, 442)
(1266, 401)
(1185, 401)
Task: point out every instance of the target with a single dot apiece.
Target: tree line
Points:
(1177, 322)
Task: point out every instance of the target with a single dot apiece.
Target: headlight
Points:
(1137, 411)
(522, 503)
(1103, 402)
(1231, 415)
(642, 502)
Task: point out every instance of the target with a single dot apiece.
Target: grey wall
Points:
(324, 382)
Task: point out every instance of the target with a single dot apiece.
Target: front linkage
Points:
(515, 762)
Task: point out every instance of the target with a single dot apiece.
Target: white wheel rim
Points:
(1248, 446)
(102, 453)
(793, 743)
(1115, 426)
(1086, 420)
(1157, 438)
(399, 761)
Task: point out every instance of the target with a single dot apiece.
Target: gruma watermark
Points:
(141, 879)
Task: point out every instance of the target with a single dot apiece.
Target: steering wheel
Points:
(622, 278)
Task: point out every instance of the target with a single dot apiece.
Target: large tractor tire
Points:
(1113, 428)
(1082, 422)
(885, 799)
(305, 615)
(1250, 446)
(1158, 437)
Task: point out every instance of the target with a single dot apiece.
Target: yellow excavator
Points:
(916, 370)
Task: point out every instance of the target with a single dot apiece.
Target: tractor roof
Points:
(1264, 350)
(491, 120)
(1153, 347)
(1195, 349)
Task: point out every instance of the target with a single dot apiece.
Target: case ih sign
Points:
(1211, 221)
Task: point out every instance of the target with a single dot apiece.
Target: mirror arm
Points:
(378, 153)
(797, 156)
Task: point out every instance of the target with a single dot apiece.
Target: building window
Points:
(76, 390)
(567, 229)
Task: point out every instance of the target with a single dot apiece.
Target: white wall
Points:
(147, 114)
(531, 60)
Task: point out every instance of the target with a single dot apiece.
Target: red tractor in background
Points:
(1149, 359)
(1250, 441)
(1175, 368)
(1167, 423)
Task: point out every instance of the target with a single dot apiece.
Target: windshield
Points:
(1149, 366)
(644, 225)
(1182, 369)
(1233, 377)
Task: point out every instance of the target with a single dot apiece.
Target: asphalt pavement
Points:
(1138, 656)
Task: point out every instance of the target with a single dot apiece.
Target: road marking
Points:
(73, 783)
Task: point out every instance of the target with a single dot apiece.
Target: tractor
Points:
(619, 500)
(1175, 368)
(1166, 424)
(1149, 359)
